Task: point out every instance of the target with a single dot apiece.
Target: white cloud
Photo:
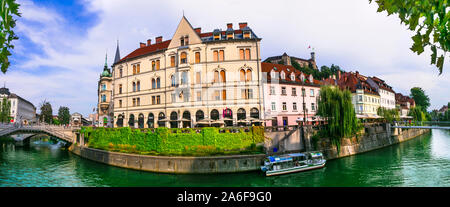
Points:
(347, 33)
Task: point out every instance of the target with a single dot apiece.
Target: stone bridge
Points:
(63, 133)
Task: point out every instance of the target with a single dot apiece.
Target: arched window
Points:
(158, 82)
(249, 75)
(138, 86)
(242, 74)
(131, 120)
(151, 120)
(216, 76)
(134, 87)
(228, 115)
(153, 83)
(283, 76)
(186, 116)
(172, 79)
(120, 121)
(254, 113)
(199, 115)
(158, 64)
(223, 77)
(183, 58)
(141, 121)
(161, 122)
(215, 114)
(173, 120)
(241, 114)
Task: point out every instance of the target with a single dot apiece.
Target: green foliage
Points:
(428, 19)
(164, 141)
(46, 112)
(5, 110)
(418, 114)
(421, 99)
(64, 115)
(389, 115)
(324, 72)
(7, 9)
(55, 121)
(336, 106)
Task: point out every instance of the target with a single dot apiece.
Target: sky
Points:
(62, 44)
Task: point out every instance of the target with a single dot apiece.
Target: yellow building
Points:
(194, 78)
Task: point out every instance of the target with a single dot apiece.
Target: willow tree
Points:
(336, 106)
(389, 115)
(5, 109)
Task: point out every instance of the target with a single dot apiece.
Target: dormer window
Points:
(311, 78)
(247, 35)
(292, 76)
(273, 74)
(303, 78)
(182, 41)
(217, 36)
(283, 76)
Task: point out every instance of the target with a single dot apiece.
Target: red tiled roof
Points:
(288, 70)
(146, 50)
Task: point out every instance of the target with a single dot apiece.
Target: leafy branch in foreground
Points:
(429, 19)
(7, 9)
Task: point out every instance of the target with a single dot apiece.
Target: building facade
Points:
(105, 95)
(387, 95)
(193, 78)
(22, 111)
(285, 59)
(289, 95)
(404, 104)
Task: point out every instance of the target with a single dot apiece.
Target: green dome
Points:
(106, 74)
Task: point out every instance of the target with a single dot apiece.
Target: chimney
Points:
(159, 39)
(142, 45)
(149, 42)
(242, 25)
(230, 26)
(198, 30)
(313, 56)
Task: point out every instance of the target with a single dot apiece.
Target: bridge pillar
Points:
(81, 140)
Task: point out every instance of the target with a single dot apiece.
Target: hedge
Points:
(164, 141)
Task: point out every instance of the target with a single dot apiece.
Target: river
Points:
(423, 161)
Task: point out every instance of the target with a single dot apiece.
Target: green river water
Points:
(423, 161)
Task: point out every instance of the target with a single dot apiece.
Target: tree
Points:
(7, 9)
(46, 112)
(389, 115)
(428, 19)
(5, 110)
(336, 106)
(64, 115)
(421, 99)
(418, 114)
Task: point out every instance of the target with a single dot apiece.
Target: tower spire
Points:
(106, 60)
(117, 57)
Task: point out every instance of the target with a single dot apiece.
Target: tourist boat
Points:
(277, 165)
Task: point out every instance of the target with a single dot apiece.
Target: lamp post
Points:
(304, 106)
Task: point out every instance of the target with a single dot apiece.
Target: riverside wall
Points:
(374, 137)
(178, 165)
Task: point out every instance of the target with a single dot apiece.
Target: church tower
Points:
(105, 106)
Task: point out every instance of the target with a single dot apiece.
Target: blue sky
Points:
(62, 44)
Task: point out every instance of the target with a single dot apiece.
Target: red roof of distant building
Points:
(288, 70)
(147, 50)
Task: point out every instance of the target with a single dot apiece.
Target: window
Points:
(198, 79)
(216, 95)
(134, 69)
(283, 76)
(172, 78)
(311, 91)
(138, 100)
(134, 102)
(242, 54)
(138, 68)
(103, 98)
(303, 92)
(224, 94)
(197, 57)
(158, 64)
(138, 86)
(216, 76)
(313, 106)
(246, 35)
(360, 108)
(230, 36)
(120, 73)
(215, 56)
(247, 54)
(274, 108)
(217, 36)
(272, 90)
(172, 61)
(158, 99)
(184, 78)
(284, 106)
(221, 55)
(182, 41)
(158, 82)
(183, 58)
(120, 88)
(247, 93)
(294, 92)
(283, 90)
(292, 77)
(223, 77)
(360, 98)
(120, 103)
(242, 75)
(134, 87)
(199, 95)
(153, 83)
(153, 65)
(153, 100)
(249, 75)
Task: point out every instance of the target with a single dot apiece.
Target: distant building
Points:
(93, 118)
(443, 109)
(285, 59)
(22, 111)
(387, 95)
(76, 119)
(105, 90)
(285, 91)
(404, 103)
(365, 98)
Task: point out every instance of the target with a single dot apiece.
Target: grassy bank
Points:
(176, 142)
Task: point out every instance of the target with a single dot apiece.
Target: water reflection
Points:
(423, 161)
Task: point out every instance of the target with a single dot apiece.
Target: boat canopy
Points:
(316, 154)
(297, 155)
(279, 159)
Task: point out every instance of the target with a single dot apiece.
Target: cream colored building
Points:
(193, 78)
(105, 93)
